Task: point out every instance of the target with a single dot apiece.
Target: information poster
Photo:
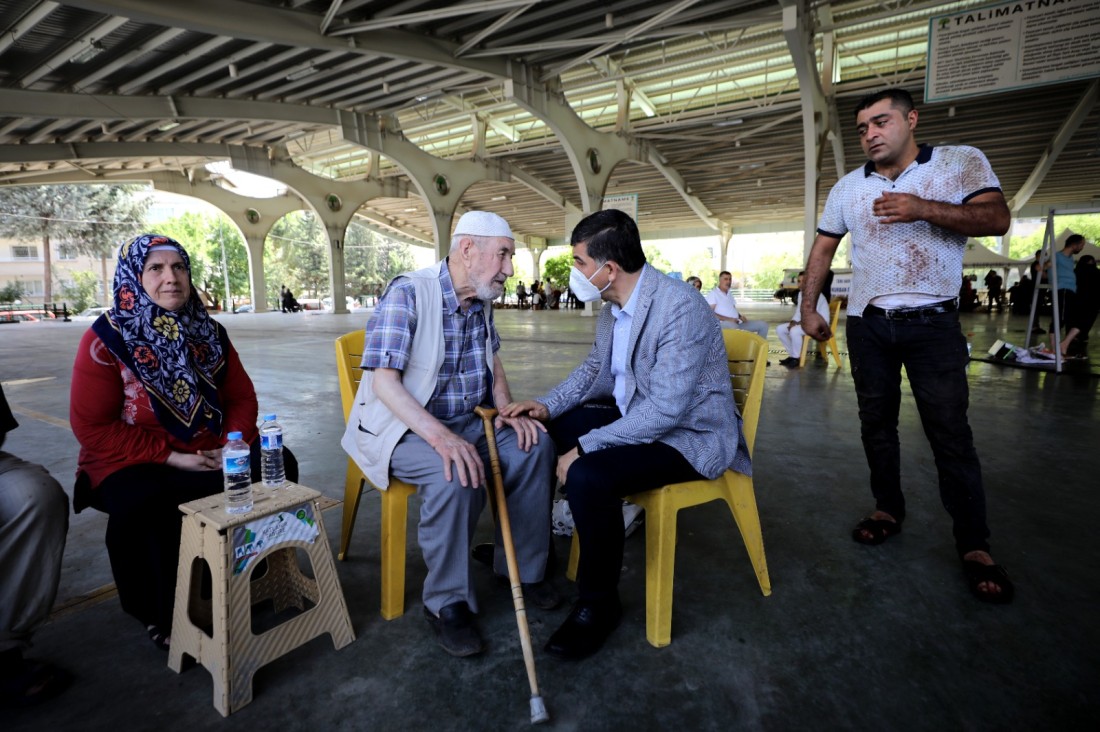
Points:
(263, 534)
(1012, 45)
(627, 202)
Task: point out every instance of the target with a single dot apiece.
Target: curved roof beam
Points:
(241, 20)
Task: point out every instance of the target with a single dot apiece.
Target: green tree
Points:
(113, 214)
(557, 269)
(768, 272)
(81, 290)
(203, 236)
(298, 242)
(371, 260)
(91, 218)
(655, 258)
(41, 214)
(11, 292)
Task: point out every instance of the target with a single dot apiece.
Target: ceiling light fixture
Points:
(728, 122)
(538, 223)
(233, 73)
(385, 87)
(302, 73)
(499, 198)
(168, 126)
(93, 49)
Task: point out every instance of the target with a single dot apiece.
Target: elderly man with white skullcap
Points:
(429, 358)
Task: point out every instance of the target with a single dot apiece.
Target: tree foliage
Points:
(203, 236)
(81, 291)
(371, 260)
(557, 269)
(11, 292)
(1024, 247)
(91, 218)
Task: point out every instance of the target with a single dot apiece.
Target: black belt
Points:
(914, 313)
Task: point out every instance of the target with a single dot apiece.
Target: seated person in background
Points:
(156, 388)
(790, 333)
(725, 308)
(34, 516)
(1019, 296)
(968, 299)
(696, 283)
(651, 405)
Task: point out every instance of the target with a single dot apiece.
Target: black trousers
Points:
(143, 529)
(595, 486)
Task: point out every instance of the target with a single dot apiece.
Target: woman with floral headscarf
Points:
(156, 388)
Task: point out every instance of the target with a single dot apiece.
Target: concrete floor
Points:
(852, 637)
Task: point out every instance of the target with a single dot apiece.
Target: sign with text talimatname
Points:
(625, 202)
(1012, 45)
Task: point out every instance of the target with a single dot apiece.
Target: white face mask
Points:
(582, 286)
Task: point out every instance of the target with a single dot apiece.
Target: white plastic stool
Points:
(281, 521)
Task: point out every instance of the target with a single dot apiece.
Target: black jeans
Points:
(933, 351)
(143, 529)
(595, 486)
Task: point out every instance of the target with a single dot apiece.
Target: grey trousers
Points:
(34, 518)
(449, 512)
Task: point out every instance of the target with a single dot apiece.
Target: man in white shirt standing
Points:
(725, 308)
(909, 211)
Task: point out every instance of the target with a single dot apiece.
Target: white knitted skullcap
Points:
(483, 223)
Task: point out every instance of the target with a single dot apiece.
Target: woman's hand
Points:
(201, 460)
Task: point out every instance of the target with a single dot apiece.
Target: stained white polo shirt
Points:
(916, 259)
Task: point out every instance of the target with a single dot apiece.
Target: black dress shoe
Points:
(541, 594)
(483, 553)
(585, 630)
(455, 629)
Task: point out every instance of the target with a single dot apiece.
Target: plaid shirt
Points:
(463, 381)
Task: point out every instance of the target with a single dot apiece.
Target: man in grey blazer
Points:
(651, 405)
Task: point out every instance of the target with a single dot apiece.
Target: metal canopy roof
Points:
(115, 89)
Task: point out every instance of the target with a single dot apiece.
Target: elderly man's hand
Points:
(527, 430)
(465, 458)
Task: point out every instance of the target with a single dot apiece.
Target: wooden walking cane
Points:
(538, 706)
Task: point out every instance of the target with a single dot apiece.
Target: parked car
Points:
(90, 314)
(8, 316)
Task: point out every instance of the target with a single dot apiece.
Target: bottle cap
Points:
(269, 417)
(234, 435)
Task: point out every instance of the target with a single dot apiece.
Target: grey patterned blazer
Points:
(677, 382)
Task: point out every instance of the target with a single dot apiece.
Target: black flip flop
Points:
(879, 529)
(977, 573)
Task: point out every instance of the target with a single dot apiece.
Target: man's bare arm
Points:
(986, 214)
(813, 282)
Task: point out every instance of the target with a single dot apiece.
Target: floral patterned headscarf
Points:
(179, 356)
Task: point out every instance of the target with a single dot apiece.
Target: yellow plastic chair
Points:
(395, 500)
(748, 355)
(823, 347)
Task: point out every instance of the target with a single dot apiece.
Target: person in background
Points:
(1086, 306)
(993, 282)
(34, 518)
(1066, 284)
(156, 388)
(724, 305)
(695, 282)
(790, 333)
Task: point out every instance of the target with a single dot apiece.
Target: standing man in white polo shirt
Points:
(725, 308)
(909, 211)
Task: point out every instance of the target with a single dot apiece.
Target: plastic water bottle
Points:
(271, 452)
(238, 476)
